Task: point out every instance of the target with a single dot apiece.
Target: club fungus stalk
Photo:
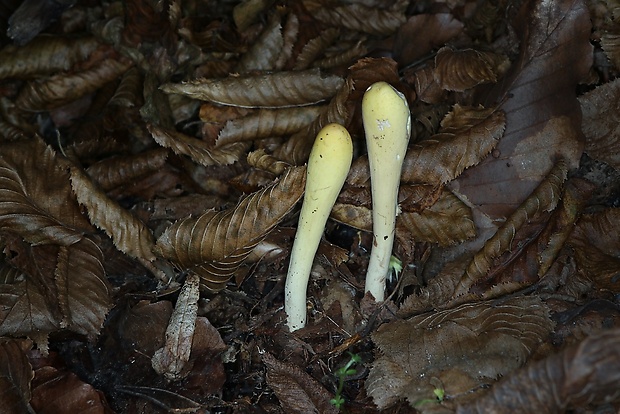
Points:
(328, 166)
(387, 125)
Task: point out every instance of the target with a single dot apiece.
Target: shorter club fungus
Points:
(328, 166)
(387, 126)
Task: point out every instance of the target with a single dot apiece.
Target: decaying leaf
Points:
(35, 196)
(44, 55)
(458, 70)
(265, 50)
(59, 390)
(601, 121)
(196, 149)
(544, 199)
(189, 243)
(127, 232)
(315, 46)
(464, 348)
(597, 249)
(585, 374)
(112, 172)
(542, 112)
(357, 17)
(297, 391)
(15, 375)
(280, 89)
(171, 359)
(448, 221)
(453, 286)
(64, 88)
(266, 123)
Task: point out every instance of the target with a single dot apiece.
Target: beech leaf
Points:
(128, 233)
(15, 375)
(297, 391)
(280, 89)
(584, 374)
(464, 348)
(542, 111)
(189, 243)
(36, 201)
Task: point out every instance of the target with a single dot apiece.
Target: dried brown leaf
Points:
(15, 376)
(112, 172)
(297, 391)
(542, 112)
(463, 348)
(280, 89)
(357, 17)
(83, 290)
(172, 358)
(44, 55)
(597, 247)
(544, 199)
(196, 149)
(35, 196)
(55, 391)
(315, 47)
(578, 376)
(60, 89)
(454, 284)
(263, 161)
(601, 122)
(127, 232)
(265, 50)
(458, 70)
(267, 123)
(448, 221)
(430, 31)
(189, 243)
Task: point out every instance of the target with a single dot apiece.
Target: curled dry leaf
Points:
(263, 161)
(464, 348)
(430, 31)
(44, 55)
(215, 244)
(196, 149)
(265, 51)
(544, 199)
(276, 90)
(458, 70)
(453, 286)
(315, 47)
(357, 17)
(601, 122)
(128, 233)
(36, 201)
(116, 171)
(542, 111)
(266, 123)
(15, 375)
(83, 290)
(64, 88)
(447, 221)
(597, 249)
(171, 359)
(581, 375)
(297, 391)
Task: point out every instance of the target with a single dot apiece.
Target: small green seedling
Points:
(342, 373)
(439, 392)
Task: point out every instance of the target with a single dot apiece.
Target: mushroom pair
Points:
(387, 126)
